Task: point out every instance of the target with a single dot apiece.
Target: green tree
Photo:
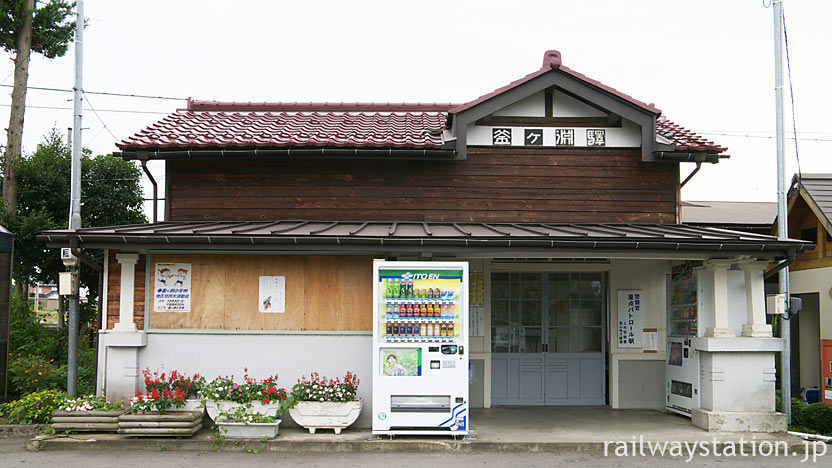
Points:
(27, 26)
(111, 194)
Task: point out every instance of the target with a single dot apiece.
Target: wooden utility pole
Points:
(14, 138)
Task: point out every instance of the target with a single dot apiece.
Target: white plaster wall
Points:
(627, 136)
(818, 280)
(532, 106)
(291, 356)
(650, 277)
(567, 106)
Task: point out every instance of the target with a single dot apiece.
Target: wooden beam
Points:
(548, 102)
(590, 122)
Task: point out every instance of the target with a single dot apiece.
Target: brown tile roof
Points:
(210, 129)
(213, 124)
(684, 139)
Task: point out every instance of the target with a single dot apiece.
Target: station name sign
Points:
(502, 136)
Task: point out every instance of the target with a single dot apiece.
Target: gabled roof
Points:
(552, 60)
(816, 189)
(374, 236)
(242, 126)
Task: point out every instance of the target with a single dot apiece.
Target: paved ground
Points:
(13, 454)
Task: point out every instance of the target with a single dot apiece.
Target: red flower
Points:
(266, 401)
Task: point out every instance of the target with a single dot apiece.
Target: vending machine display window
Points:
(400, 362)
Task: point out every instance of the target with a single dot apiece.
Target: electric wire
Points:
(99, 118)
(103, 93)
(791, 93)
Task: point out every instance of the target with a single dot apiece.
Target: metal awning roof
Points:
(378, 236)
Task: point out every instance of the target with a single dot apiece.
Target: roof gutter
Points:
(360, 153)
(143, 159)
(263, 243)
(689, 156)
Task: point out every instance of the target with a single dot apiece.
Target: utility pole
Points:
(782, 214)
(75, 199)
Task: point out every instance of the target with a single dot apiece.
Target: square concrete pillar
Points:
(756, 326)
(127, 286)
(719, 313)
(737, 378)
(122, 364)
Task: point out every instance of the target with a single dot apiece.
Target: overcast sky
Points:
(708, 64)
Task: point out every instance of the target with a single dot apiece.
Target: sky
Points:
(709, 65)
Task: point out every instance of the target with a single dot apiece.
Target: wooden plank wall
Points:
(493, 184)
(114, 291)
(801, 217)
(323, 292)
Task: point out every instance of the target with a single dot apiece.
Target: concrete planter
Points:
(215, 407)
(314, 415)
(238, 430)
(192, 404)
(158, 424)
(89, 421)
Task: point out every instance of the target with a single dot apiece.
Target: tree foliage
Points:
(52, 26)
(110, 194)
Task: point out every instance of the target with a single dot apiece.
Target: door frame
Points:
(546, 357)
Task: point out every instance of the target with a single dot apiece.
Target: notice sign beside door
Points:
(272, 297)
(630, 307)
(172, 287)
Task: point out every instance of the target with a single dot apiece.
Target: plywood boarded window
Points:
(323, 293)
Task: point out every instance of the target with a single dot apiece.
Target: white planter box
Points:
(237, 430)
(215, 407)
(315, 415)
(191, 404)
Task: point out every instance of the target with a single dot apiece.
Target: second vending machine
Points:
(420, 348)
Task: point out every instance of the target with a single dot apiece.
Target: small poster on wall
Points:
(630, 307)
(272, 298)
(172, 287)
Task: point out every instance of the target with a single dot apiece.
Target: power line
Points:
(100, 119)
(103, 93)
(762, 136)
(100, 110)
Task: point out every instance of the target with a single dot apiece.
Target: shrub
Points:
(318, 388)
(34, 408)
(90, 403)
(156, 400)
(32, 373)
(816, 416)
(225, 388)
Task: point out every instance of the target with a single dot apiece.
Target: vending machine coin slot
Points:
(448, 349)
(461, 350)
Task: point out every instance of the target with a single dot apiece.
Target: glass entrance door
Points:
(547, 338)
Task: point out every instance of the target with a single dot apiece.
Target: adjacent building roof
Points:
(270, 125)
(739, 216)
(426, 236)
(817, 191)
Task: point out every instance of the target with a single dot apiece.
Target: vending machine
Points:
(420, 348)
(683, 325)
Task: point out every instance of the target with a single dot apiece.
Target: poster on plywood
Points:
(172, 287)
(272, 297)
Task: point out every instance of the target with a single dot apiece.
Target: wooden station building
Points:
(558, 189)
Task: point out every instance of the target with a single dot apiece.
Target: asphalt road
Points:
(13, 454)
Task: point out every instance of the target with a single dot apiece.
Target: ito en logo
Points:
(382, 416)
